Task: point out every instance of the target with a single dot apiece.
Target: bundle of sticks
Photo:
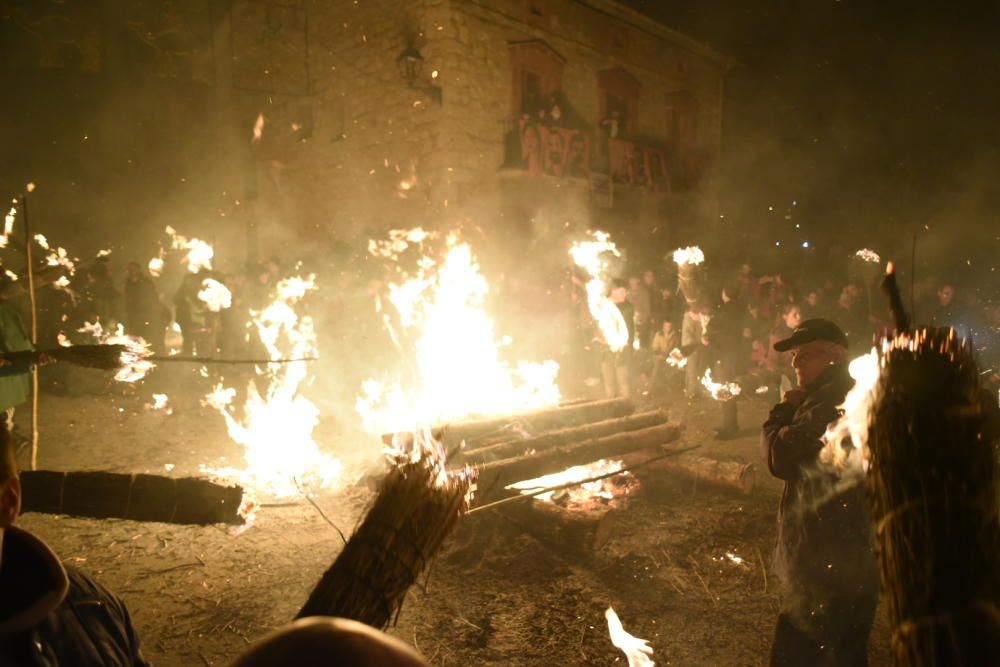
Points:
(417, 506)
(934, 489)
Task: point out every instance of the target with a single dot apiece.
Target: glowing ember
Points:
(156, 267)
(10, 274)
(720, 391)
(691, 255)
(134, 362)
(199, 254)
(763, 389)
(636, 650)
(276, 425)
(607, 490)
(676, 359)
(457, 369)
(63, 340)
(591, 257)
(215, 295)
(867, 255)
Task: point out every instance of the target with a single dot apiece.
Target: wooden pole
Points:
(34, 326)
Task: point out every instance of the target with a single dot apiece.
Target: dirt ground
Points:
(496, 596)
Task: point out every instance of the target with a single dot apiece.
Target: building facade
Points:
(523, 116)
(265, 123)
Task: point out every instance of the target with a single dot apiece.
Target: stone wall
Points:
(360, 151)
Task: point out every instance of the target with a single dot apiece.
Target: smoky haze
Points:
(877, 119)
(847, 124)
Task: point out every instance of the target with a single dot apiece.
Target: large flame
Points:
(591, 256)
(636, 650)
(456, 369)
(276, 424)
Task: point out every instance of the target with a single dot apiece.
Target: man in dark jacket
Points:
(824, 554)
(51, 615)
(144, 312)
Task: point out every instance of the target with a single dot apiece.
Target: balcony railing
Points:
(540, 149)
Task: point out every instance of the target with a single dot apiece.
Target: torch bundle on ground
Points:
(934, 492)
(416, 507)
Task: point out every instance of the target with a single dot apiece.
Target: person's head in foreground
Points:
(321, 641)
(816, 345)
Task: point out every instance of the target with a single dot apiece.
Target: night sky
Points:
(875, 118)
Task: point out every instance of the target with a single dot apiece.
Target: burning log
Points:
(576, 533)
(414, 511)
(934, 486)
(539, 420)
(140, 497)
(496, 475)
(730, 474)
(565, 436)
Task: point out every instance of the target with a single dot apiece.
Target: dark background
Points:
(878, 119)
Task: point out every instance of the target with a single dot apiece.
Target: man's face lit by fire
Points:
(811, 359)
(619, 294)
(945, 295)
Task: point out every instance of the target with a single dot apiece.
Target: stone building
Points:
(263, 123)
(522, 117)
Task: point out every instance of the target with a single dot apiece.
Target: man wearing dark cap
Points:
(824, 555)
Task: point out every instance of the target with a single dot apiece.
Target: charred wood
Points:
(140, 497)
(563, 436)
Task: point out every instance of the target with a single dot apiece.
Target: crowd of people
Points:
(136, 302)
(730, 328)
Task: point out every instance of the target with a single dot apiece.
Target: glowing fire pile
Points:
(607, 492)
(591, 256)
(449, 344)
(275, 426)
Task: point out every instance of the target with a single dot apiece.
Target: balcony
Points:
(547, 150)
